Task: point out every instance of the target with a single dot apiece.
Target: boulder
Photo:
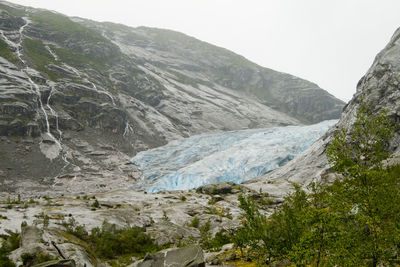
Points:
(190, 256)
(166, 232)
(222, 188)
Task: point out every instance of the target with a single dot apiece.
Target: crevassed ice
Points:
(235, 156)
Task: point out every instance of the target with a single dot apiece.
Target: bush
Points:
(73, 228)
(33, 259)
(110, 242)
(352, 222)
(96, 204)
(195, 222)
(11, 242)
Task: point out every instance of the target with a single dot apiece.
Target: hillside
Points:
(79, 98)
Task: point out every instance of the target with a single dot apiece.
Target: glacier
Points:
(235, 156)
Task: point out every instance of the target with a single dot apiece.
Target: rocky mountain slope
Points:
(380, 89)
(93, 145)
(78, 98)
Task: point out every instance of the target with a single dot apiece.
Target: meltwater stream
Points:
(235, 156)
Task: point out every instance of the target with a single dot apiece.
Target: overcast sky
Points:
(331, 43)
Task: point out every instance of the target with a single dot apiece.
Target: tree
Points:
(368, 196)
(353, 222)
(274, 237)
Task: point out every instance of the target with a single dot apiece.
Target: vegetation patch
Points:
(10, 243)
(40, 57)
(352, 222)
(80, 46)
(64, 28)
(6, 53)
(36, 258)
(110, 242)
(12, 11)
(80, 59)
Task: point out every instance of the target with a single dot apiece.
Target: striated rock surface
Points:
(77, 97)
(380, 89)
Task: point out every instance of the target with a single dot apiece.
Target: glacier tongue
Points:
(235, 156)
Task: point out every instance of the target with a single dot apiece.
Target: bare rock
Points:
(190, 256)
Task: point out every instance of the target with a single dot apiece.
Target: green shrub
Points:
(96, 204)
(4, 260)
(221, 238)
(6, 53)
(40, 56)
(33, 259)
(73, 228)
(165, 216)
(195, 222)
(11, 242)
(110, 242)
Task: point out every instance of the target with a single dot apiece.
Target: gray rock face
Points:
(65, 82)
(189, 256)
(194, 61)
(380, 89)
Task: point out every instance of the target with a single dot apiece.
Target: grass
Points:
(78, 59)
(79, 44)
(12, 11)
(65, 28)
(40, 57)
(195, 222)
(6, 53)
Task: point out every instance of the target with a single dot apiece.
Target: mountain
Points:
(77, 101)
(78, 98)
(379, 89)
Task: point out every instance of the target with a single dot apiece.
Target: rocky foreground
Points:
(168, 218)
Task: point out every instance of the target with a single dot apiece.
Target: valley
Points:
(110, 131)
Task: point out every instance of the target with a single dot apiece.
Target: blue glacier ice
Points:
(235, 156)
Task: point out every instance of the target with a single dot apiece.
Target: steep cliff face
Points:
(79, 98)
(380, 89)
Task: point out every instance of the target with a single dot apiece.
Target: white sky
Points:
(331, 43)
